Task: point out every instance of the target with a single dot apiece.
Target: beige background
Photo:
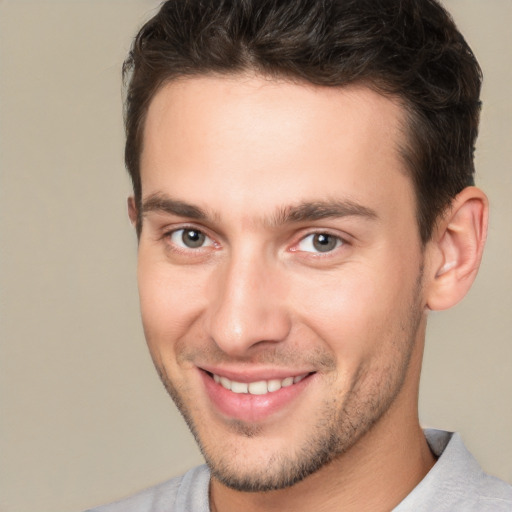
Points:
(83, 418)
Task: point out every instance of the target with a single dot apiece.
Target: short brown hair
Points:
(410, 49)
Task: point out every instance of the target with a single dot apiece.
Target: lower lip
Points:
(251, 408)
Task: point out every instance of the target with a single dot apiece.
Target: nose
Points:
(247, 305)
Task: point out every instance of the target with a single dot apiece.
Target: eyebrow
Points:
(318, 210)
(294, 214)
(164, 204)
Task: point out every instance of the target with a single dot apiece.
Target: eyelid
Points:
(170, 231)
(343, 239)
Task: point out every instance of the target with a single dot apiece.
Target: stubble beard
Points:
(341, 423)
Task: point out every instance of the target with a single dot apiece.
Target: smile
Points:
(254, 396)
(260, 387)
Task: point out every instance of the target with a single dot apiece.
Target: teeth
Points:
(258, 388)
(287, 382)
(226, 383)
(261, 387)
(274, 385)
(239, 387)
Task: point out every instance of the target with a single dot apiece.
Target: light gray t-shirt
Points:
(456, 483)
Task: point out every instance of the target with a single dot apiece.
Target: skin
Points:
(249, 163)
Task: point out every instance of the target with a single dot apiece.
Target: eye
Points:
(189, 238)
(319, 242)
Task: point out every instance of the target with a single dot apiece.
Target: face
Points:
(279, 270)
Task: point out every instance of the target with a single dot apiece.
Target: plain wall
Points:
(83, 417)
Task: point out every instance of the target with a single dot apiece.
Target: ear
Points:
(456, 249)
(132, 211)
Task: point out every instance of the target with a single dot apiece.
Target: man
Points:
(303, 196)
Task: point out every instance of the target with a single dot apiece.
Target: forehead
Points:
(250, 137)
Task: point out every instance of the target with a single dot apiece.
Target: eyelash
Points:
(338, 241)
(168, 235)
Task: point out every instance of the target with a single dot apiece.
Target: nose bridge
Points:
(247, 305)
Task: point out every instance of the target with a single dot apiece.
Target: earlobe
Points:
(458, 244)
(132, 210)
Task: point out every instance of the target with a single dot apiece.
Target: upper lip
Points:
(248, 375)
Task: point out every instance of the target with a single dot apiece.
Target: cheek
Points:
(169, 300)
(356, 310)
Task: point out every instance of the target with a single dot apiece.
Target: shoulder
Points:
(456, 482)
(186, 492)
(494, 494)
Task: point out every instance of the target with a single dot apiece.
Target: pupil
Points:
(193, 238)
(324, 243)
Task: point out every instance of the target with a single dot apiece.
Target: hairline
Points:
(404, 146)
